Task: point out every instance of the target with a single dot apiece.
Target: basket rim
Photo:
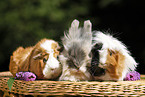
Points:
(65, 88)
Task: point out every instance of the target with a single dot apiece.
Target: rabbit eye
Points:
(72, 63)
(44, 60)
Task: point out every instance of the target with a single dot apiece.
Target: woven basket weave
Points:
(66, 88)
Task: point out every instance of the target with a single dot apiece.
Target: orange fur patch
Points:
(115, 63)
(18, 60)
(55, 46)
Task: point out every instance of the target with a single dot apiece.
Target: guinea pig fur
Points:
(75, 57)
(40, 59)
(114, 60)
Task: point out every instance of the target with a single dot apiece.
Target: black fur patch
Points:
(95, 69)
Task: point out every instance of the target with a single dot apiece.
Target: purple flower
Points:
(19, 76)
(26, 76)
(29, 76)
(132, 76)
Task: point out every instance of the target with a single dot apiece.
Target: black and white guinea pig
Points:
(110, 58)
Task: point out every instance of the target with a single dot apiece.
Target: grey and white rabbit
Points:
(75, 57)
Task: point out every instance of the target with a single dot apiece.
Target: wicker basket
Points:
(66, 88)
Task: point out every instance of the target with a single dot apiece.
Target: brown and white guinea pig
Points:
(75, 57)
(40, 59)
(111, 60)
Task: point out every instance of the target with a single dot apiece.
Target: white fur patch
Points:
(83, 69)
(47, 45)
(103, 55)
(51, 65)
(52, 62)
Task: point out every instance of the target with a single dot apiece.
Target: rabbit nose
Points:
(78, 68)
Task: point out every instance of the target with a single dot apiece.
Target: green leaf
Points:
(10, 83)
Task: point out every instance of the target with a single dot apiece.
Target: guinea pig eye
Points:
(111, 52)
(44, 60)
(57, 57)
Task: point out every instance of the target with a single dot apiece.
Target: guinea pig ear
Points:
(38, 56)
(117, 58)
(61, 49)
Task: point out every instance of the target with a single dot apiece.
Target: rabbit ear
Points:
(73, 32)
(75, 24)
(87, 26)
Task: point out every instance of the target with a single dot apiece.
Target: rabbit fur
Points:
(75, 57)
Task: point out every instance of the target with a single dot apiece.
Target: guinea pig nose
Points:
(99, 72)
(52, 68)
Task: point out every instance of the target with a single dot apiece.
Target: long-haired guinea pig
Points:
(75, 56)
(110, 58)
(40, 59)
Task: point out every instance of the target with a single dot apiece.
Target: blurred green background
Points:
(25, 22)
